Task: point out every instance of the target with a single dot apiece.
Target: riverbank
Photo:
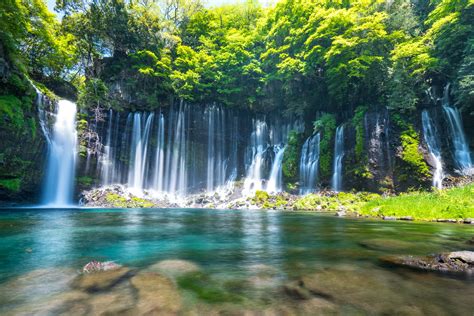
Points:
(449, 205)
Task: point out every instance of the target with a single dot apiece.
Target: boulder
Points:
(457, 262)
(101, 281)
(174, 267)
(157, 294)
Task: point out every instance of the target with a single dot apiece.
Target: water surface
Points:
(248, 260)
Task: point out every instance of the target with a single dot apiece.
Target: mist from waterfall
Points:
(431, 137)
(309, 164)
(338, 157)
(61, 160)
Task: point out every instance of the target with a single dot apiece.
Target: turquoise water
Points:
(247, 258)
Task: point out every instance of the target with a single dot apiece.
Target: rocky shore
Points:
(342, 204)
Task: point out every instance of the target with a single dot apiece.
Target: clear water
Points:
(248, 256)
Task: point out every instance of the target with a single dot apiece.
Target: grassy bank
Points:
(452, 204)
(455, 203)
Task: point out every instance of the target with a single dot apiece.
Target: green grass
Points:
(455, 203)
(343, 200)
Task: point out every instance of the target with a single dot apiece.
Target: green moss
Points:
(13, 185)
(291, 157)
(456, 203)
(326, 125)
(85, 181)
(121, 202)
(360, 169)
(260, 197)
(11, 111)
(206, 289)
(411, 154)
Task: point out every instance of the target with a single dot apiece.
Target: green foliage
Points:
(260, 197)
(455, 203)
(85, 181)
(12, 185)
(340, 201)
(93, 93)
(416, 166)
(326, 125)
(116, 200)
(361, 168)
(291, 157)
(266, 201)
(11, 111)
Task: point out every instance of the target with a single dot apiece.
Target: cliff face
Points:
(22, 145)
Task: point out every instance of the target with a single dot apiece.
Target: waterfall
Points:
(61, 162)
(139, 149)
(309, 164)
(107, 159)
(432, 140)
(258, 146)
(216, 165)
(275, 181)
(176, 155)
(462, 154)
(338, 157)
(159, 156)
(187, 149)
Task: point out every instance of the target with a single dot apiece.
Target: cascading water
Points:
(462, 154)
(258, 146)
(171, 153)
(139, 149)
(338, 157)
(432, 140)
(61, 162)
(216, 165)
(159, 156)
(275, 182)
(309, 164)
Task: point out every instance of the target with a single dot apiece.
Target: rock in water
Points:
(174, 267)
(101, 281)
(97, 266)
(157, 295)
(458, 262)
(464, 256)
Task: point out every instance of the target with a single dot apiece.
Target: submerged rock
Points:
(101, 281)
(174, 267)
(349, 287)
(385, 244)
(157, 295)
(458, 262)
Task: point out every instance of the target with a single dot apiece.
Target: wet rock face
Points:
(456, 262)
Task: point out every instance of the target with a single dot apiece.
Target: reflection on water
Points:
(224, 261)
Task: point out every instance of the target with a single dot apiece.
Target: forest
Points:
(259, 157)
(322, 62)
